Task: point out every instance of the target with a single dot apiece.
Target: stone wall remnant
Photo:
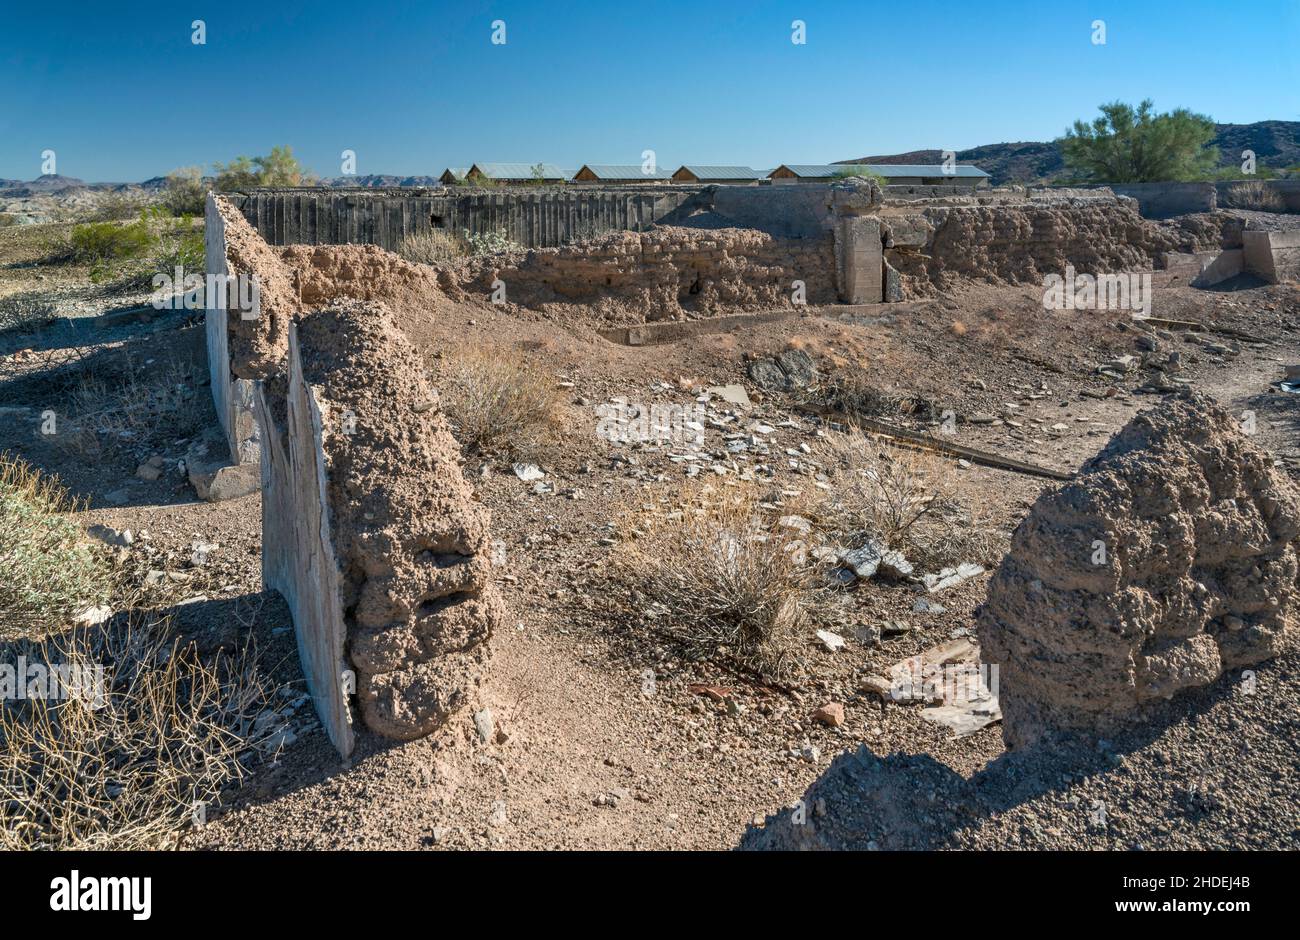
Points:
(381, 549)
(1169, 560)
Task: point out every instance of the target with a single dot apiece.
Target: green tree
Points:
(278, 168)
(1137, 145)
(239, 173)
(185, 193)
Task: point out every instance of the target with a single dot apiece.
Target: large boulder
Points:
(1170, 559)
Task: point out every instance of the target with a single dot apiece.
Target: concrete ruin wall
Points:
(934, 246)
(1163, 200)
(669, 273)
(1273, 256)
(1169, 560)
(370, 529)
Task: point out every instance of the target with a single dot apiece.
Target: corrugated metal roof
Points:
(887, 170)
(623, 171)
(521, 171)
(722, 172)
(456, 171)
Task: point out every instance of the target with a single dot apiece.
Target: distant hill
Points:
(378, 181)
(1276, 145)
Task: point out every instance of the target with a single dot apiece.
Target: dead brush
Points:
(499, 404)
(50, 571)
(1256, 195)
(136, 741)
(108, 409)
(912, 499)
(721, 581)
(432, 247)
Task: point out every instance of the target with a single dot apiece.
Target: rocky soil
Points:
(589, 734)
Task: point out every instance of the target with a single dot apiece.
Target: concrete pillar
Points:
(859, 259)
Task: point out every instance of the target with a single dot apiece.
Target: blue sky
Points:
(119, 91)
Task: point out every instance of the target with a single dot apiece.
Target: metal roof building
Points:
(694, 173)
(894, 173)
(619, 173)
(453, 174)
(521, 172)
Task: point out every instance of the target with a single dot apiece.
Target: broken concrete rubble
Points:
(1170, 560)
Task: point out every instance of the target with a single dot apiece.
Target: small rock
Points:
(831, 714)
(832, 641)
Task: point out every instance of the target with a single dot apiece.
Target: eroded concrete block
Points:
(1169, 560)
(369, 528)
(859, 257)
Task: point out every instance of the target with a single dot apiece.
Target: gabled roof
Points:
(721, 172)
(521, 171)
(623, 171)
(456, 172)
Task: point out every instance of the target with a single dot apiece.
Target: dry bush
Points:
(149, 733)
(50, 571)
(853, 392)
(26, 311)
(721, 581)
(913, 500)
(499, 403)
(1256, 195)
(108, 409)
(432, 247)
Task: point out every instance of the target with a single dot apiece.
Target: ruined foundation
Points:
(1171, 559)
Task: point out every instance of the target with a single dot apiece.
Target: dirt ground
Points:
(601, 742)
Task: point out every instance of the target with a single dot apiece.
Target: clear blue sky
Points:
(120, 93)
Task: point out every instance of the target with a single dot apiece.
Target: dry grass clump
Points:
(50, 572)
(142, 739)
(722, 581)
(913, 500)
(432, 247)
(108, 408)
(26, 311)
(499, 404)
(1256, 195)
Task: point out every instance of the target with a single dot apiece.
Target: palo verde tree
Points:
(1137, 145)
(278, 168)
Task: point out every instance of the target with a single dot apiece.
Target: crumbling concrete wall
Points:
(370, 530)
(933, 247)
(668, 272)
(1171, 559)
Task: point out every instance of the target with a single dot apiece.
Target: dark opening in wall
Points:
(437, 221)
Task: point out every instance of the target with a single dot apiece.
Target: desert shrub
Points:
(51, 572)
(148, 736)
(25, 311)
(491, 243)
(913, 500)
(431, 247)
(119, 205)
(1256, 195)
(721, 581)
(185, 192)
(861, 172)
(104, 245)
(110, 409)
(499, 403)
(7, 219)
